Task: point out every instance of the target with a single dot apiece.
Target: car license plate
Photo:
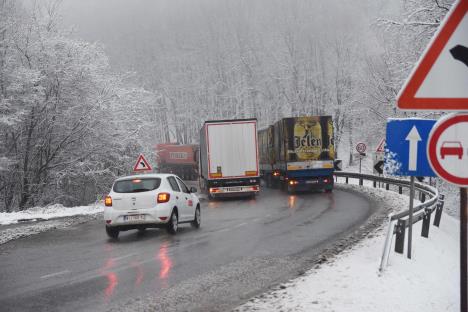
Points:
(312, 181)
(233, 189)
(134, 218)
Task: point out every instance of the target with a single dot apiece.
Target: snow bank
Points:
(428, 282)
(48, 212)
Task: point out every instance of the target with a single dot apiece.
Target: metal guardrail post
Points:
(400, 190)
(361, 181)
(375, 183)
(400, 236)
(438, 214)
(387, 187)
(426, 223)
(346, 180)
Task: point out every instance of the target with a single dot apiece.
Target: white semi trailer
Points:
(229, 158)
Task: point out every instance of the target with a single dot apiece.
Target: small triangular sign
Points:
(142, 164)
(440, 79)
(381, 146)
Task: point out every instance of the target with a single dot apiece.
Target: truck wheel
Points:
(112, 232)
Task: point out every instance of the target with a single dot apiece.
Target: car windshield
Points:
(136, 185)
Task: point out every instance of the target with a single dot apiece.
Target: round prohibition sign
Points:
(447, 149)
(361, 148)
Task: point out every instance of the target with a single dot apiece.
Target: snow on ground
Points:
(48, 212)
(352, 282)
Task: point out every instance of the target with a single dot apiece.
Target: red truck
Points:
(178, 159)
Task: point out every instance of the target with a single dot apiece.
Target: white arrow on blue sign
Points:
(405, 153)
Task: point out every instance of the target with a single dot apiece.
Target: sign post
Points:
(410, 219)
(463, 249)
(361, 149)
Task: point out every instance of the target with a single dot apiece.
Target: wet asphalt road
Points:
(242, 248)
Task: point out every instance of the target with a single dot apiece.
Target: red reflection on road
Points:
(166, 263)
(112, 281)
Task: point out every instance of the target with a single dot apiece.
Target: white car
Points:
(150, 201)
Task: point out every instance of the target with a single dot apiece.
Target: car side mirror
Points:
(193, 189)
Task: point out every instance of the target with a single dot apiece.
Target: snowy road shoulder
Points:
(21, 224)
(48, 213)
(352, 282)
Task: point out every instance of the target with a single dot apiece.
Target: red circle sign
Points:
(361, 147)
(447, 149)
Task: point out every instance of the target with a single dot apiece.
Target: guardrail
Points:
(400, 221)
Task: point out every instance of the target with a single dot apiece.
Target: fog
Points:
(131, 28)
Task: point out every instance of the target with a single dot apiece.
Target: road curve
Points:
(242, 248)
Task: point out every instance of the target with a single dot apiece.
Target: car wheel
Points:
(173, 223)
(197, 220)
(112, 232)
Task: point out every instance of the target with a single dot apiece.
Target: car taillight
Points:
(214, 190)
(255, 188)
(108, 201)
(163, 197)
(325, 181)
(293, 182)
(276, 173)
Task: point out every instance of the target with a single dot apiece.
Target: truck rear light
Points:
(163, 218)
(108, 221)
(214, 190)
(108, 201)
(163, 197)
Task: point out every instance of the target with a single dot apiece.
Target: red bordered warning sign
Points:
(381, 147)
(439, 80)
(142, 164)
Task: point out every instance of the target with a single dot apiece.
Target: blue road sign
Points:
(405, 153)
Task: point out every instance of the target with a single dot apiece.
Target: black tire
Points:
(112, 232)
(173, 224)
(197, 219)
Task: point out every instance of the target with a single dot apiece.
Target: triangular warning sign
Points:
(440, 79)
(142, 164)
(381, 146)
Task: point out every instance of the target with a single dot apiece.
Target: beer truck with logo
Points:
(298, 153)
(228, 163)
